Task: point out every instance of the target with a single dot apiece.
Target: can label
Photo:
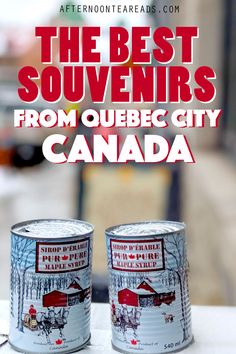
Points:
(50, 294)
(150, 309)
(136, 255)
(62, 257)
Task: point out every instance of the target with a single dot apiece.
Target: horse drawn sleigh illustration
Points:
(51, 319)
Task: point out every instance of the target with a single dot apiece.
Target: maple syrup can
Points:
(148, 287)
(50, 285)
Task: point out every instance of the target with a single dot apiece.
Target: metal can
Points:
(50, 285)
(148, 287)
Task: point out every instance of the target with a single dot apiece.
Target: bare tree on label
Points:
(177, 266)
(23, 256)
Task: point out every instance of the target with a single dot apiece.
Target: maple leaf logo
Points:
(59, 341)
(133, 341)
(131, 256)
(64, 258)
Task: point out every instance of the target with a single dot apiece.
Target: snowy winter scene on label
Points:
(50, 291)
(150, 308)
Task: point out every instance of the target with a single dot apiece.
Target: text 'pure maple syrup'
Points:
(148, 290)
(50, 285)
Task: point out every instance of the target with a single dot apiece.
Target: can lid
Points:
(52, 228)
(146, 228)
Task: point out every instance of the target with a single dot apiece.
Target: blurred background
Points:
(202, 194)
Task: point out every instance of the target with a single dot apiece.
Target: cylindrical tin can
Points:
(148, 287)
(50, 285)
